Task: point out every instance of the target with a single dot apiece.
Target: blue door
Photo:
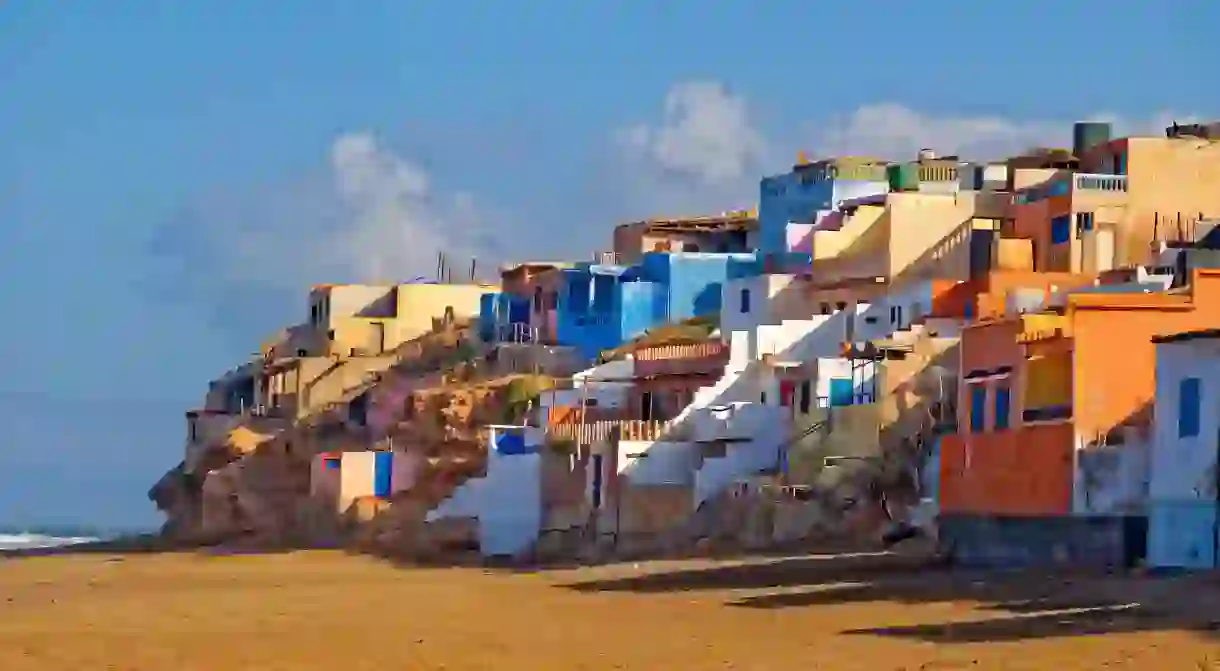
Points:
(383, 468)
(841, 391)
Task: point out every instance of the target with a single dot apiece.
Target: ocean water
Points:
(28, 541)
(48, 536)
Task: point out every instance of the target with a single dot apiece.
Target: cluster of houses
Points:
(1017, 351)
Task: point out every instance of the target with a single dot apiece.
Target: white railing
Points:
(1094, 182)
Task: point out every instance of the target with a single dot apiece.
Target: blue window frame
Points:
(1061, 229)
(978, 408)
(1189, 404)
(1003, 406)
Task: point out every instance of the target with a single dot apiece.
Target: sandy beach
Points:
(328, 610)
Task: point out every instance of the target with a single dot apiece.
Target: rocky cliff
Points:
(249, 482)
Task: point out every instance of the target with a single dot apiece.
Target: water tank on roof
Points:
(927, 155)
(1089, 134)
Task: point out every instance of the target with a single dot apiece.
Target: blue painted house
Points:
(602, 306)
(790, 206)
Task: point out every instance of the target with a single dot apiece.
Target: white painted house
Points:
(1183, 481)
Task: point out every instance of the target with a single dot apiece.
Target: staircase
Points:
(731, 412)
(410, 527)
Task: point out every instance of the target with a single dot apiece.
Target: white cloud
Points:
(705, 152)
(705, 134)
(396, 221)
(890, 130)
(374, 217)
(894, 131)
(706, 137)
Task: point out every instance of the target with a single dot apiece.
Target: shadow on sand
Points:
(1029, 605)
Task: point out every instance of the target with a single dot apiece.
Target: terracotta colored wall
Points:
(1025, 471)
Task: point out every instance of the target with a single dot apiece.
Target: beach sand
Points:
(327, 610)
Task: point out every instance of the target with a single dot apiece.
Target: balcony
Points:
(684, 359)
(593, 432)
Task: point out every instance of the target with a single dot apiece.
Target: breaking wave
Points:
(30, 541)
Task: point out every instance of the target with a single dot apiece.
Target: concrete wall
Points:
(1018, 542)
(657, 462)
(1112, 479)
(1182, 534)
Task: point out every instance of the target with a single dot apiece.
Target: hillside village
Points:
(1013, 355)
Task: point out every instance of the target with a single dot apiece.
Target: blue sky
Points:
(173, 173)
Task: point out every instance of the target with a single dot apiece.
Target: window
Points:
(806, 392)
(1189, 392)
(1061, 229)
(194, 430)
(1084, 222)
(315, 314)
(842, 391)
(841, 305)
(598, 473)
(537, 299)
(745, 301)
(1120, 163)
(762, 397)
(825, 308)
(1003, 406)
(978, 408)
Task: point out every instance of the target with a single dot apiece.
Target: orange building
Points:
(1052, 408)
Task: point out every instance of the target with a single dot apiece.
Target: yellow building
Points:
(370, 320)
